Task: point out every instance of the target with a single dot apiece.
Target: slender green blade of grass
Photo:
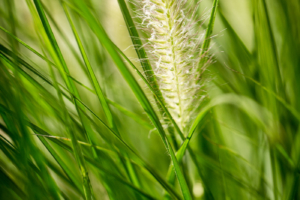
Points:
(62, 67)
(99, 92)
(26, 45)
(107, 172)
(153, 91)
(71, 86)
(138, 46)
(130, 114)
(59, 161)
(66, 40)
(270, 76)
(145, 63)
(94, 80)
(208, 33)
(11, 185)
(273, 48)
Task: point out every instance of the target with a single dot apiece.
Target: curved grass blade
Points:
(130, 114)
(26, 45)
(64, 37)
(99, 93)
(93, 78)
(95, 164)
(77, 151)
(154, 93)
(59, 161)
(236, 100)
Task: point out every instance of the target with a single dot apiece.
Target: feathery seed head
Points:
(173, 47)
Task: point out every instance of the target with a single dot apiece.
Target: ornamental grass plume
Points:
(173, 46)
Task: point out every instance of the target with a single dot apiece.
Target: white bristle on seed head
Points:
(173, 51)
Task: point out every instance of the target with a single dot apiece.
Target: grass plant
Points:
(203, 104)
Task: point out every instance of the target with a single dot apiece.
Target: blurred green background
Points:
(247, 146)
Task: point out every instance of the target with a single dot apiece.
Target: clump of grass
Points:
(74, 119)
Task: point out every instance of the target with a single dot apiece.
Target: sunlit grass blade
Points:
(94, 80)
(99, 92)
(71, 86)
(65, 39)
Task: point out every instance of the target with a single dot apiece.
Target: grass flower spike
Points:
(173, 47)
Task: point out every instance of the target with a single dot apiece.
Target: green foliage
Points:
(82, 119)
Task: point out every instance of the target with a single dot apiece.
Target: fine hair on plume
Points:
(173, 41)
